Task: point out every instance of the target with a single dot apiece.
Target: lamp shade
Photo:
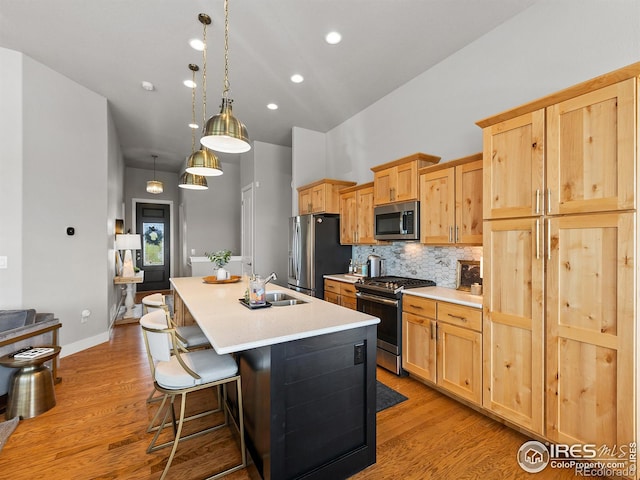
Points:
(225, 133)
(193, 182)
(128, 241)
(204, 162)
(155, 187)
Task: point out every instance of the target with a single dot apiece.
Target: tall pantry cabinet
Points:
(560, 270)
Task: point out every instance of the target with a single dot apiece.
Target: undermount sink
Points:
(282, 299)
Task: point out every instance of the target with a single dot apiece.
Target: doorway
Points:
(153, 223)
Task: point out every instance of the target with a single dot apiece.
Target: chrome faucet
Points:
(272, 276)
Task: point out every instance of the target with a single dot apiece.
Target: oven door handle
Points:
(376, 299)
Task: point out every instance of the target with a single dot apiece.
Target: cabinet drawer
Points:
(348, 290)
(332, 286)
(419, 306)
(332, 297)
(460, 315)
(349, 302)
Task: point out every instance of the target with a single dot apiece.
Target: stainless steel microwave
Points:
(397, 221)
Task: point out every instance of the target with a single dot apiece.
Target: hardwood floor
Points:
(97, 430)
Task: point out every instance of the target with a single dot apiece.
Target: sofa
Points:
(23, 328)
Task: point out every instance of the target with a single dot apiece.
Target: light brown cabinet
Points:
(560, 263)
(397, 181)
(356, 215)
(451, 202)
(321, 196)
(442, 344)
(340, 293)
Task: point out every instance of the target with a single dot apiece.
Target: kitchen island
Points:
(308, 377)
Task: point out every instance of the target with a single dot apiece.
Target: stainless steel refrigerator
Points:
(315, 251)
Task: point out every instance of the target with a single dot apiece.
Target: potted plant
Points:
(220, 259)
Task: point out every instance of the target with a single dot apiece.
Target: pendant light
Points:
(190, 181)
(154, 186)
(204, 161)
(224, 132)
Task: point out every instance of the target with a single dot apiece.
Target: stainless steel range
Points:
(382, 297)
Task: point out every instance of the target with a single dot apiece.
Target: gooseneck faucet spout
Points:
(272, 276)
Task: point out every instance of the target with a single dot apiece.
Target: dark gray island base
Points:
(310, 405)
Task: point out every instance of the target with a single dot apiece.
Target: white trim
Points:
(85, 343)
(247, 259)
(134, 204)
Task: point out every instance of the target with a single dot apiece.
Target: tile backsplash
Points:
(411, 259)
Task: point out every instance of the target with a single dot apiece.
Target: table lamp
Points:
(128, 242)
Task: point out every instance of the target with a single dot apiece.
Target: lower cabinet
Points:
(340, 293)
(442, 344)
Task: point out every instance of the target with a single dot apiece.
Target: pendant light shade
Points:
(224, 132)
(154, 186)
(204, 162)
(190, 181)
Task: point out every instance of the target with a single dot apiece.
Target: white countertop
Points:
(343, 277)
(232, 327)
(447, 295)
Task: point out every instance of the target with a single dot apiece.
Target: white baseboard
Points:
(84, 344)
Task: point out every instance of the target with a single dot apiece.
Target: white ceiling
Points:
(110, 46)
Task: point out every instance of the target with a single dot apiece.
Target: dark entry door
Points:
(153, 223)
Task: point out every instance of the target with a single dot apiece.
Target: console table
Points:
(129, 281)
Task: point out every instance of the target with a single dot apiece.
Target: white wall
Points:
(309, 154)
(212, 216)
(550, 46)
(272, 204)
(11, 177)
(58, 166)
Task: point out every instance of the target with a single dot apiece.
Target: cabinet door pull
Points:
(462, 319)
(538, 239)
(537, 200)
(549, 239)
(457, 234)
(450, 234)
(433, 330)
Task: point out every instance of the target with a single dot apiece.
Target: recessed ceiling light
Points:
(148, 86)
(272, 106)
(196, 44)
(333, 38)
(189, 84)
(195, 126)
(297, 78)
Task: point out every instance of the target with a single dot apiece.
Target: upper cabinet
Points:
(451, 202)
(356, 215)
(397, 181)
(590, 157)
(322, 196)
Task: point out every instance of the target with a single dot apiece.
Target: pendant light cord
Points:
(226, 49)
(193, 108)
(204, 73)
(154, 166)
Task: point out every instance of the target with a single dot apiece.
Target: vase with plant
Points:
(220, 259)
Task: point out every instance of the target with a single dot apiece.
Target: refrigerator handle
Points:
(297, 251)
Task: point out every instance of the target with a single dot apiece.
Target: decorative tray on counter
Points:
(214, 279)
(253, 307)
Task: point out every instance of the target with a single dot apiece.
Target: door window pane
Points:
(153, 246)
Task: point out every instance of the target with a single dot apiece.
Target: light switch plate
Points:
(3, 262)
